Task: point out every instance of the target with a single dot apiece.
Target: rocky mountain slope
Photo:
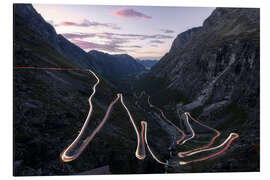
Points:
(28, 19)
(213, 72)
(183, 38)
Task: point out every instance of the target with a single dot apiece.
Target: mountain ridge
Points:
(34, 21)
(119, 68)
(213, 73)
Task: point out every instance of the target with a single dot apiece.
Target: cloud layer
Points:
(114, 42)
(87, 23)
(108, 35)
(130, 13)
(111, 46)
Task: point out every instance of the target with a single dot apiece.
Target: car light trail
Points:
(164, 117)
(140, 150)
(190, 128)
(186, 153)
(227, 144)
(216, 147)
(75, 146)
(144, 127)
(64, 155)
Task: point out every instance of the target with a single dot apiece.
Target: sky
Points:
(144, 32)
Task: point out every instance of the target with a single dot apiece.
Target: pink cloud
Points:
(78, 35)
(111, 46)
(67, 23)
(130, 13)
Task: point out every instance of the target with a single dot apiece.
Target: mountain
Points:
(28, 21)
(183, 38)
(213, 71)
(50, 106)
(113, 68)
(117, 68)
(147, 63)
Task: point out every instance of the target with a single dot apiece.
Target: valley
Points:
(195, 110)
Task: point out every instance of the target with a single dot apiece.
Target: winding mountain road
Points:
(74, 146)
(74, 150)
(164, 117)
(189, 153)
(226, 145)
(144, 128)
(140, 150)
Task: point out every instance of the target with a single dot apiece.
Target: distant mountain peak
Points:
(124, 56)
(184, 37)
(96, 52)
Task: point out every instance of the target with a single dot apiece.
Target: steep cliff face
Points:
(225, 35)
(183, 38)
(220, 59)
(216, 70)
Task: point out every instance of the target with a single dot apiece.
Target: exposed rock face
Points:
(183, 38)
(216, 68)
(220, 60)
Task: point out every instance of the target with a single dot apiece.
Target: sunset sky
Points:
(144, 32)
